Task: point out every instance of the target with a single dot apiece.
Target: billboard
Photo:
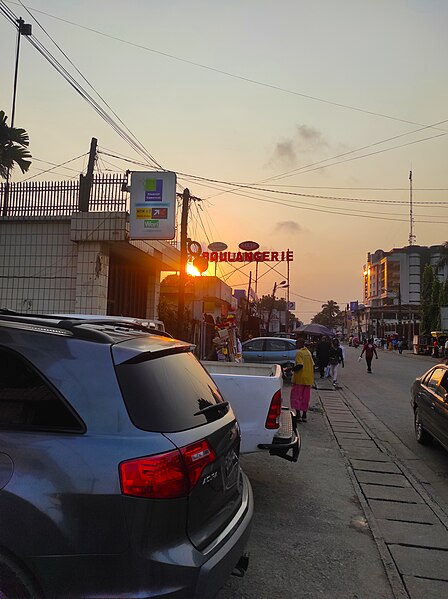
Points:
(152, 205)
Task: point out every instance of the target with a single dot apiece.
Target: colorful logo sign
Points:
(152, 205)
(153, 190)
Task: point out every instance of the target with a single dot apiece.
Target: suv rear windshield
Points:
(165, 394)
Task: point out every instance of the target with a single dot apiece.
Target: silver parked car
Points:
(270, 350)
(119, 464)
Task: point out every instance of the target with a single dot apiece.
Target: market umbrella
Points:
(315, 329)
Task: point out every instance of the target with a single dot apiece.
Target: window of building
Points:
(28, 402)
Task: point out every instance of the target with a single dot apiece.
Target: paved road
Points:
(386, 392)
(363, 514)
(310, 538)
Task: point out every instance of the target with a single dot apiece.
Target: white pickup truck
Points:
(255, 393)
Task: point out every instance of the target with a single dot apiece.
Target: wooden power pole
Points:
(183, 264)
(85, 181)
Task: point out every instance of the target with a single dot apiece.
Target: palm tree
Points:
(13, 148)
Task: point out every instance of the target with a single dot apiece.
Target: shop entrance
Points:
(127, 288)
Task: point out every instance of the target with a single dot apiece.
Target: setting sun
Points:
(192, 270)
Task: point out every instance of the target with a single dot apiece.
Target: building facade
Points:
(55, 258)
(392, 287)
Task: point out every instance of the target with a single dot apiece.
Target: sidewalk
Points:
(410, 527)
(310, 538)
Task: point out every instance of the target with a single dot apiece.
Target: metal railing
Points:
(61, 198)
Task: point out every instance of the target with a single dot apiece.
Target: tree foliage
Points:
(329, 316)
(425, 299)
(434, 295)
(13, 148)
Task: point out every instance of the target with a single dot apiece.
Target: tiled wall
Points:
(57, 265)
(92, 278)
(152, 305)
(37, 266)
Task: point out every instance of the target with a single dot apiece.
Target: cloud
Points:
(284, 152)
(289, 227)
(310, 139)
(305, 139)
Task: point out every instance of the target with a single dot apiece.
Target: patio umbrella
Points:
(315, 329)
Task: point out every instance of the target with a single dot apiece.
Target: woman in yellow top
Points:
(302, 379)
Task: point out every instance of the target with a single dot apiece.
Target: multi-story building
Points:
(392, 282)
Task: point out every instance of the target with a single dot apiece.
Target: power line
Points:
(191, 177)
(366, 147)
(232, 75)
(54, 164)
(52, 168)
(313, 209)
(90, 85)
(130, 139)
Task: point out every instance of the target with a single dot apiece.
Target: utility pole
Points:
(287, 297)
(22, 29)
(246, 319)
(85, 181)
(400, 316)
(183, 264)
(271, 308)
(412, 238)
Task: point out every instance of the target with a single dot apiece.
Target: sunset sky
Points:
(322, 98)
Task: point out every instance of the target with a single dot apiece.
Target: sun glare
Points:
(192, 270)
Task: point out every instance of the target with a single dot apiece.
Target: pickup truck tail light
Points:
(273, 417)
(166, 475)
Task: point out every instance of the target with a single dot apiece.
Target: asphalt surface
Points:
(364, 513)
(386, 393)
(310, 537)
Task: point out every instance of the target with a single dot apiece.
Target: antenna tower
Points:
(412, 237)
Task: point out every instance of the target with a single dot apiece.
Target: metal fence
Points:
(61, 198)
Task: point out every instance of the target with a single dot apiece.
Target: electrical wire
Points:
(52, 168)
(314, 209)
(77, 86)
(54, 164)
(232, 75)
(91, 86)
(195, 178)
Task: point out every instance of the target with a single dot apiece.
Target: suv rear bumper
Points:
(180, 573)
(216, 570)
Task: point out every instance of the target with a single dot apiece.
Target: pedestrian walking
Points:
(322, 355)
(369, 349)
(302, 379)
(336, 357)
(400, 346)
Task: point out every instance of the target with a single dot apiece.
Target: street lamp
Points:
(281, 285)
(22, 29)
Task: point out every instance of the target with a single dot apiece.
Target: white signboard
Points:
(153, 205)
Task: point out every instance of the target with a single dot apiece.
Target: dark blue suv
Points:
(119, 465)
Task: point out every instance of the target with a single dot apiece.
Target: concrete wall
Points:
(61, 265)
(38, 266)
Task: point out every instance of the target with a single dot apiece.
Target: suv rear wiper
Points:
(215, 406)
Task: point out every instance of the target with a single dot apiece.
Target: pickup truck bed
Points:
(253, 392)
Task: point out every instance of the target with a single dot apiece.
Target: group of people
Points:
(329, 356)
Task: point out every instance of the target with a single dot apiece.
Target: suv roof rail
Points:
(77, 326)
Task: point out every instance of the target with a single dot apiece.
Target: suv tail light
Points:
(167, 475)
(272, 420)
